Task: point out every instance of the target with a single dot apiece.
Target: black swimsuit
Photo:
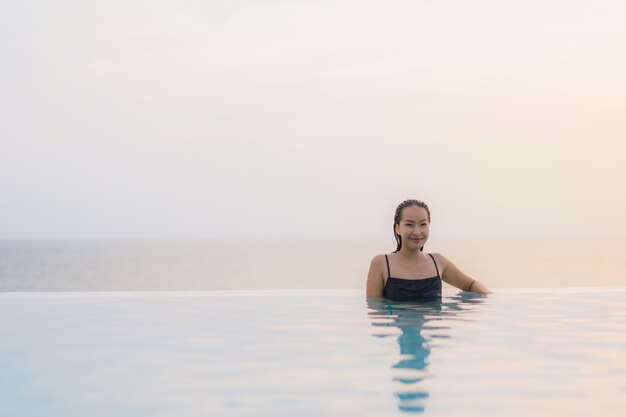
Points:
(400, 289)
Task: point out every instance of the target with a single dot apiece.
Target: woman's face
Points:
(413, 227)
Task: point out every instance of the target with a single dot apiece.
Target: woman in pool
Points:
(409, 274)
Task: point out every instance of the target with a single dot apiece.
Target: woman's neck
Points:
(410, 254)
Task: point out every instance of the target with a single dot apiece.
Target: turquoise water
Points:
(545, 352)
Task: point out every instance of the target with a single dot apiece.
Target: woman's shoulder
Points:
(378, 259)
(379, 262)
(439, 258)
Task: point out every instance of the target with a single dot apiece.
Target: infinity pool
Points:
(548, 352)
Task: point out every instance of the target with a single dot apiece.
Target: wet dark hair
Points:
(398, 217)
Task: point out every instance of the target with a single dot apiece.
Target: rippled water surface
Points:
(547, 352)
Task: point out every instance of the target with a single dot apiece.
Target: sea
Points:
(153, 265)
(166, 328)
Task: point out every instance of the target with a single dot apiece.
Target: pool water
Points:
(544, 352)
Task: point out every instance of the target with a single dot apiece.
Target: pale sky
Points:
(312, 119)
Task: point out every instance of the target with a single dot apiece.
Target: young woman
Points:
(409, 274)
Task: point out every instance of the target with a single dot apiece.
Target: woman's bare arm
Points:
(375, 278)
(455, 277)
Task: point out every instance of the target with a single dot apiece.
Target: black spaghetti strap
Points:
(388, 271)
(437, 269)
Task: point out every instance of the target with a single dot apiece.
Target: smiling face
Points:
(413, 227)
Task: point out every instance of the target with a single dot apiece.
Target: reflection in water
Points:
(411, 370)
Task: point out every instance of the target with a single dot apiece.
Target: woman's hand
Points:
(479, 287)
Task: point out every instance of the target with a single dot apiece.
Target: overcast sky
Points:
(292, 119)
